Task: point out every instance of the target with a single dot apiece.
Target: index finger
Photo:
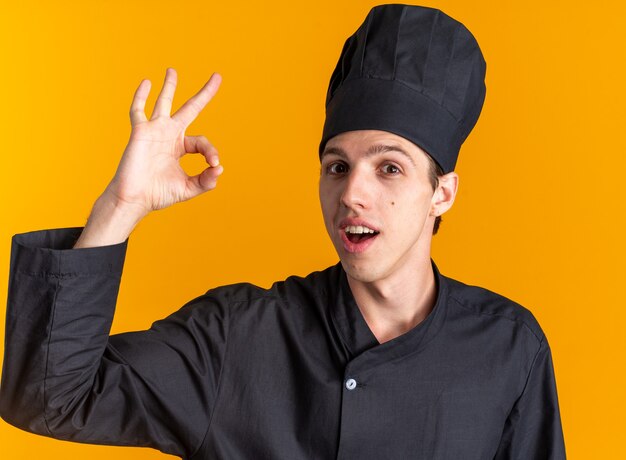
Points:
(190, 109)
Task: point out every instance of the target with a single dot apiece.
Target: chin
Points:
(362, 272)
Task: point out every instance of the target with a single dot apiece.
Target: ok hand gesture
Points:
(149, 176)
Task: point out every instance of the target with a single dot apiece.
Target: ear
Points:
(444, 194)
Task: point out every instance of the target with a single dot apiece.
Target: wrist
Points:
(120, 207)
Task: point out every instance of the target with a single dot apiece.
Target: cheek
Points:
(327, 201)
(330, 191)
(412, 206)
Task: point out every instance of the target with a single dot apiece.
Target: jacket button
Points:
(350, 384)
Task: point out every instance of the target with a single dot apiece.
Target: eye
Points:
(390, 169)
(336, 168)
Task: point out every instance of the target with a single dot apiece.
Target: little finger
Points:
(137, 108)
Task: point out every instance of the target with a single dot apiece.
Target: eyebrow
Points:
(375, 149)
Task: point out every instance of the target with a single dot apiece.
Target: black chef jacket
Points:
(290, 372)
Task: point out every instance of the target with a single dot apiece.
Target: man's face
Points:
(376, 200)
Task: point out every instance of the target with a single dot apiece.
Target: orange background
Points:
(539, 216)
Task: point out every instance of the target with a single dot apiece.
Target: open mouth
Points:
(357, 233)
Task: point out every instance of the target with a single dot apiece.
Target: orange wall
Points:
(539, 218)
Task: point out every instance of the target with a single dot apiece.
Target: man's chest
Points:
(290, 393)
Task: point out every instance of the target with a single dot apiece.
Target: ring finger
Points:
(163, 105)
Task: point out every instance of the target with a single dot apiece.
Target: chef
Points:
(379, 356)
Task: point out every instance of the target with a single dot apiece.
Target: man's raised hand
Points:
(149, 176)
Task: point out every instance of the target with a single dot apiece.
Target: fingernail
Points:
(214, 161)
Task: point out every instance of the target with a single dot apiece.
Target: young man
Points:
(379, 356)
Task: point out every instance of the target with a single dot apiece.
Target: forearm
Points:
(110, 222)
(59, 311)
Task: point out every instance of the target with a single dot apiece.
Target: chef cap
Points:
(412, 71)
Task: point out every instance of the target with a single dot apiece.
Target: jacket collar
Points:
(362, 347)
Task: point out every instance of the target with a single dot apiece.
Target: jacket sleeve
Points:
(533, 429)
(65, 377)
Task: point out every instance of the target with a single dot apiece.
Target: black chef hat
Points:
(413, 71)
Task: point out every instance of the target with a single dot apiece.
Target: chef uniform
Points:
(293, 371)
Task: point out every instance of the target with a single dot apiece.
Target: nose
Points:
(357, 190)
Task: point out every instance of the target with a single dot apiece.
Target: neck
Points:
(397, 303)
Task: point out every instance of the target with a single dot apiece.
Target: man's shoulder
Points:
(313, 286)
(482, 302)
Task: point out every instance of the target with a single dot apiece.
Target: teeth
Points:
(358, 229)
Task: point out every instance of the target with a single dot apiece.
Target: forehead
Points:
(369, 143)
